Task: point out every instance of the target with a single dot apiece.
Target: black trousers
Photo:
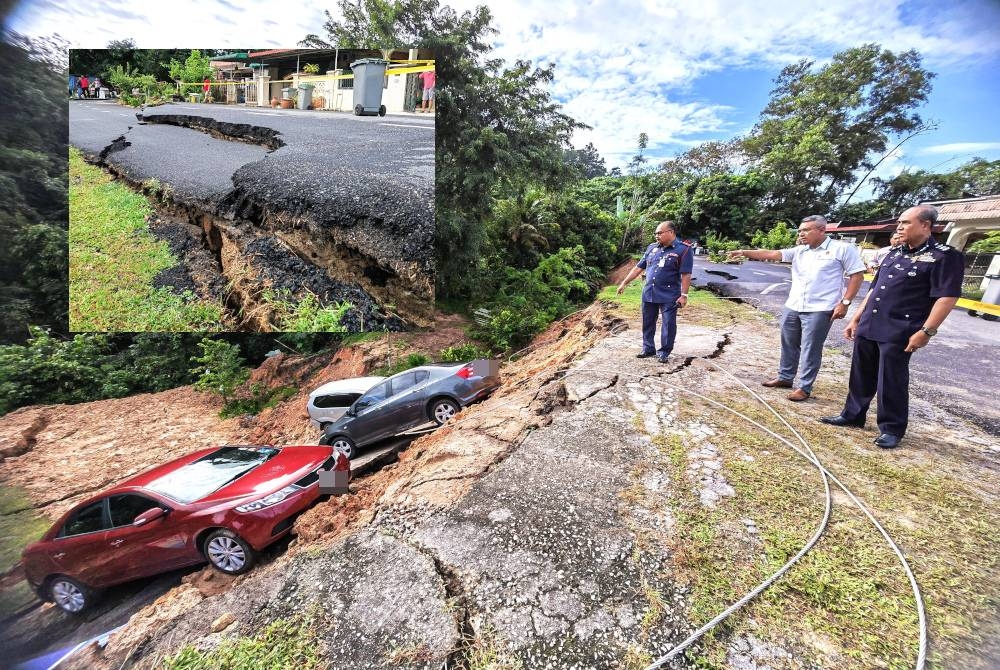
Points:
(883, 369)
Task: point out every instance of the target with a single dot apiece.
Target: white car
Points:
(329, 402)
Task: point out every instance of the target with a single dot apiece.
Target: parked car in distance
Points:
(221, 505)
(329, 402)
(426, 393)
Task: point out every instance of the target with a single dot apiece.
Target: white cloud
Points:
(626, 67)
(961, 148)
(622, 66)
(158, 25)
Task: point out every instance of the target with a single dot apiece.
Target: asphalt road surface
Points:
(958, 370)
(331, 165)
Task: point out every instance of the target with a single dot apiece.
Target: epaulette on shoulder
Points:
(942, 246)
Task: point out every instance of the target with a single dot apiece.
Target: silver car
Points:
(427, 393)
(329, 402)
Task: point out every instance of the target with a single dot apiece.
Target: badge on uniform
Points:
(662, 261)
(925, 258)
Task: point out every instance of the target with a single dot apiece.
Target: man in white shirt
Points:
(818, 297)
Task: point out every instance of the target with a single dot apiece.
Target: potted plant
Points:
(311, 68)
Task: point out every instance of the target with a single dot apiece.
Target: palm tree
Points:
(525, 222)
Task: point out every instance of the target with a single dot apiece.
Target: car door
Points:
(368, 425)
(79, 549)
(409, 400)
(149, 549)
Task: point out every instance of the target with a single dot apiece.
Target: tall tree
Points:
(714, 157)
(33, 185)
(589, 161)
(498, 128)
(977, 177)
(821, 126)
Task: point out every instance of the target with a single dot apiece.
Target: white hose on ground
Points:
(808, 454)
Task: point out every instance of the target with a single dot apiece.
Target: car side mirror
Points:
(350, 412)
(149, 515)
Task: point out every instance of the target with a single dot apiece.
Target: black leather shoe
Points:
(663, 358)
(841, 421)
(887, 441)
(644, 355)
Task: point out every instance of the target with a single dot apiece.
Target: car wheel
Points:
(229, 553)
(443, 409)
(70, 595)
(345, 445)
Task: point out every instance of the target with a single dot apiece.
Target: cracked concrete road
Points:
(553, 556)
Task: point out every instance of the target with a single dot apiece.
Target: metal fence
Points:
(976, 267)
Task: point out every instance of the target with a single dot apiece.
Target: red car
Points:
(222, 505)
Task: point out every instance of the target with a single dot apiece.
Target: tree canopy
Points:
(822, 125)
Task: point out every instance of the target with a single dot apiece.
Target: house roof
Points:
(966, 209)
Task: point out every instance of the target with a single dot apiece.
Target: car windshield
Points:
(210, 473)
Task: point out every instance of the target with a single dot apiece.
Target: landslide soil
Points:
(54, 456)
(434, 472)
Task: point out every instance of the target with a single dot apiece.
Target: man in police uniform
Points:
(914, 290)
(668, 263)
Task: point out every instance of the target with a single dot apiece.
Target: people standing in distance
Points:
(85, 86)
(427, 78)
(668, 263)
(883, 252)
(914, 290)
(818, 297)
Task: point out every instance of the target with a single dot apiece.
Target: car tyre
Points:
(343, 444)
(229, 553)
(70, 595)
(443, 409)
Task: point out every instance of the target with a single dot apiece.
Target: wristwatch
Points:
(929, 332)
(845, 302)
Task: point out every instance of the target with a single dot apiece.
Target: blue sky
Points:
(682, 71)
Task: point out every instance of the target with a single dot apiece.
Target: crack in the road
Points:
(613, 382)
(720, 346)
(117, 144)
(234, 262)
(28, 439)
(223, 130)
(457, 598)
(722, 273)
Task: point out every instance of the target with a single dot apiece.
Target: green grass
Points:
(19, 525)
(409, 361)
(285, 644)
(703, 306)
(113, 260)
(849, 594)
(307, 315)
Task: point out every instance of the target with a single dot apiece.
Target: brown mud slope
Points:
(76, 450)
(436, 471)
(59, 454)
